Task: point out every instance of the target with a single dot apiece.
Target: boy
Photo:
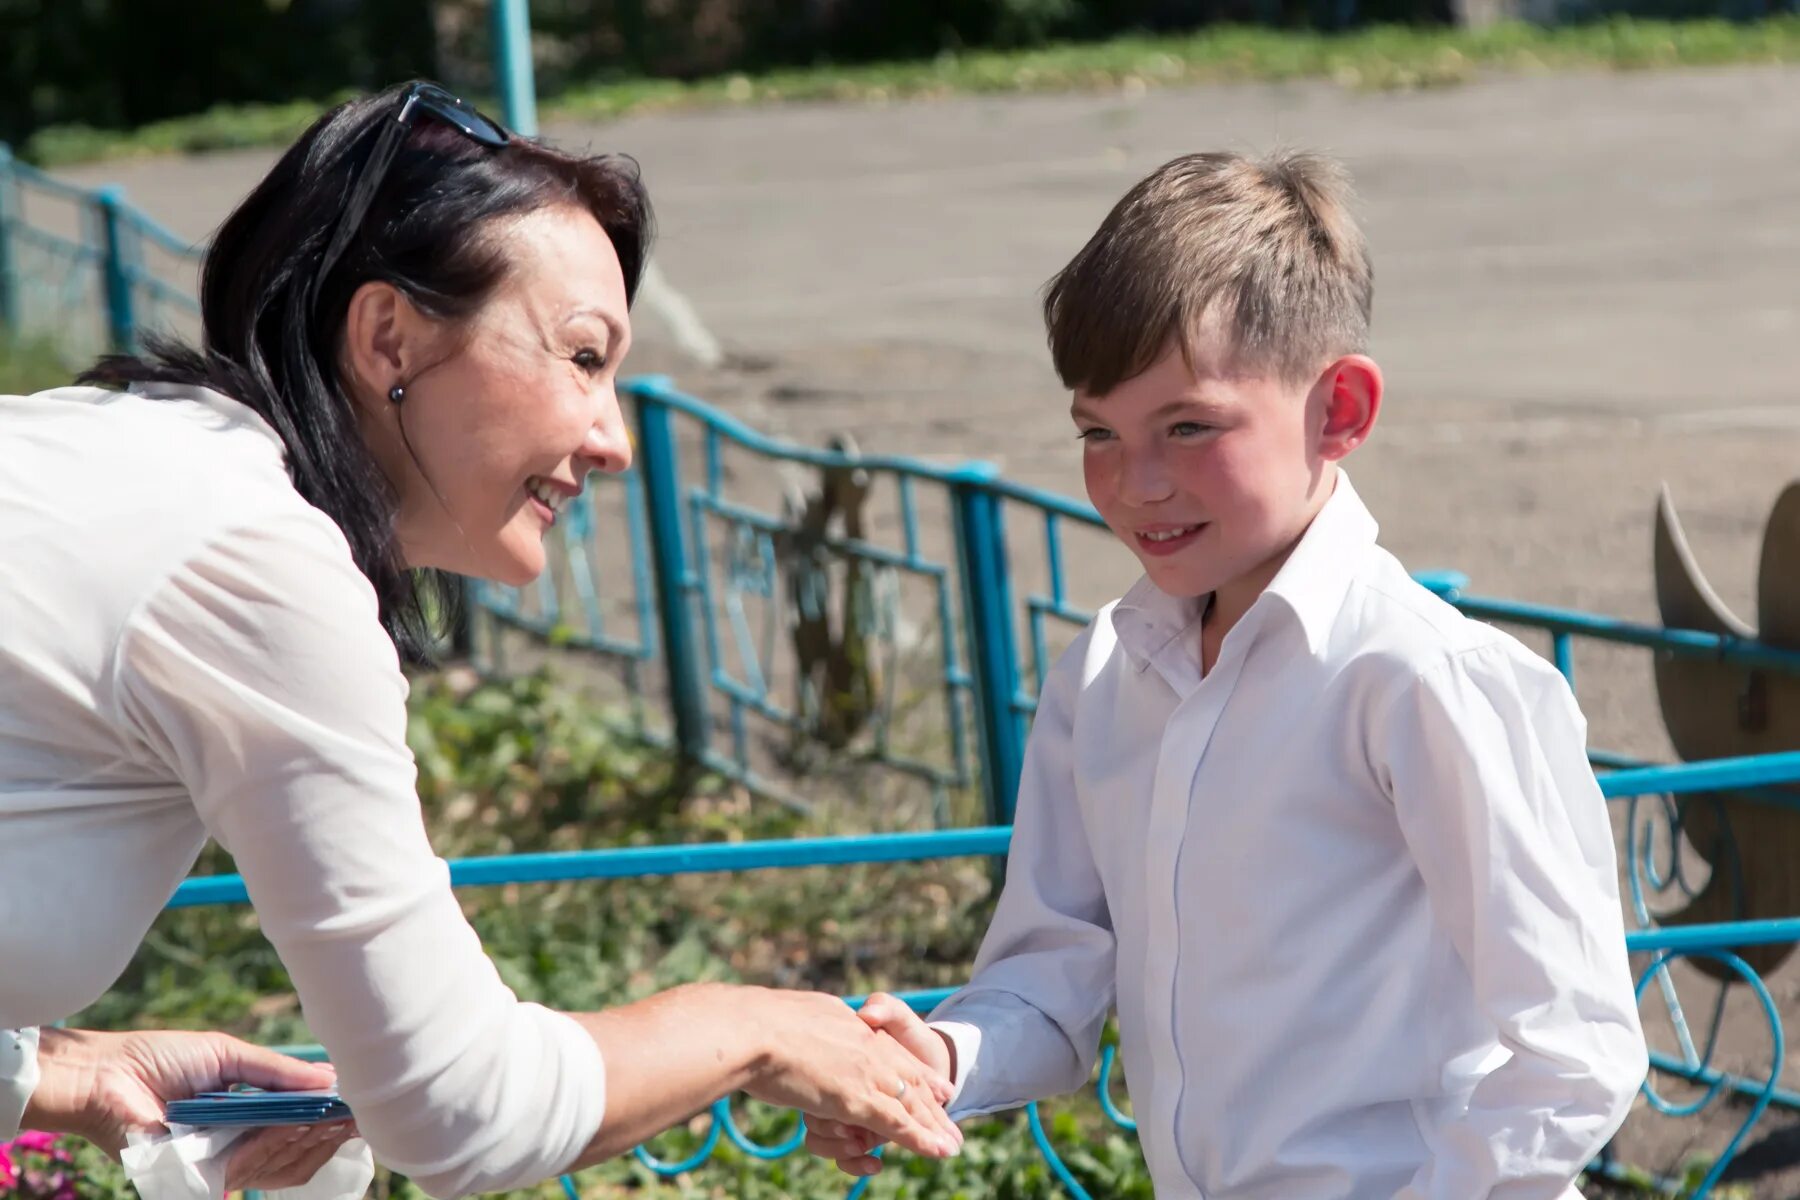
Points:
(1333, 850)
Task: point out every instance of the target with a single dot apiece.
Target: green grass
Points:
(1379, 57)
(225, 127)
(31, 365)
(525, 765)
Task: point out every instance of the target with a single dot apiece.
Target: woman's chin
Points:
(515, 565)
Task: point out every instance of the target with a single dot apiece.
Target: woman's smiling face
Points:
(508, 411)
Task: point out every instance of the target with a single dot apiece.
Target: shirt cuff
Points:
(967, 1040)
(18, 1077)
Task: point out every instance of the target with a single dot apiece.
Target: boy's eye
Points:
(1187, 429)
(1094, 435)
(589, 359)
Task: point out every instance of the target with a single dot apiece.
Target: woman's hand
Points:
(671, 1055)
(104, 1086)
(849, 1144)
(825, 1060)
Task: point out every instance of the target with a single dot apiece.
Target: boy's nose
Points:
(1144, 481)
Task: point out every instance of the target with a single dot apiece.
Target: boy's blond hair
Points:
(1265, 251)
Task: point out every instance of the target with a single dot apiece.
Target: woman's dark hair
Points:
(268, 345)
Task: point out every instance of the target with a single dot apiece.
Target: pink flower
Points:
(29, 1169)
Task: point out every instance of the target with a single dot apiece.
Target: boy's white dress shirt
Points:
(1353, 893)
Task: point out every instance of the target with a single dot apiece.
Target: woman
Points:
(412, 331)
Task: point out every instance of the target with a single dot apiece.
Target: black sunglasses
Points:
(420, 99)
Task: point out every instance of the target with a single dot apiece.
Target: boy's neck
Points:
(1224, 608)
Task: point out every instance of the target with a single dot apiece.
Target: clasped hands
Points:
(852, 1146)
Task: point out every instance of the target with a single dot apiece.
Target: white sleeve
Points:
(1028, 1024)
(260, 674)
(18, 1077)
(1487, 764)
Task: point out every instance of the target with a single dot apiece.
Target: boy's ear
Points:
(1352, 393)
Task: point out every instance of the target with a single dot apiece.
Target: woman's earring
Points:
(396, 395)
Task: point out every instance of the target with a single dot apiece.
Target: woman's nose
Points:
(608, 445)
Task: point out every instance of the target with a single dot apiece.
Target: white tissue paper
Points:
(189, 1164)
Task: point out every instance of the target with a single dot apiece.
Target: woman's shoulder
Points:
(133, 485)
(183, 423)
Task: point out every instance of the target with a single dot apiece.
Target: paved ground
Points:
(1587, 286)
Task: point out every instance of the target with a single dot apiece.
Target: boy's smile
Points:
(1161, 540)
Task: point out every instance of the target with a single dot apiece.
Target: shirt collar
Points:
(1311, 583)
(1146, 619)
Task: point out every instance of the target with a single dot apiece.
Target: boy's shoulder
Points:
(1391, 623)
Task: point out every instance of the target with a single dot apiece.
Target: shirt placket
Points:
(1183, 751)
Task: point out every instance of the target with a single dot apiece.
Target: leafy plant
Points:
(30, 365)
(38, 1166)
(526, 765)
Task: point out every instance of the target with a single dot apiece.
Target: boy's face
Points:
(1211, 475)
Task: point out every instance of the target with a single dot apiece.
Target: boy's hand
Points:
(851, 1146)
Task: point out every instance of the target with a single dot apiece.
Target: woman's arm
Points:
(671, 1055)
(259, 673)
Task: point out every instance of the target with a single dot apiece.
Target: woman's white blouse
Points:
(188, 650)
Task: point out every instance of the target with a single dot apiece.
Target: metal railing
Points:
(1719, 942)
(725, 554)
(84, 266)
(758, 598)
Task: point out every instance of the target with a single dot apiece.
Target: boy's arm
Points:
(1028, 1023)
(1486, 761)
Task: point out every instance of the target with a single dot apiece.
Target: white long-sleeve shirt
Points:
(1353, 894)
(187, 649)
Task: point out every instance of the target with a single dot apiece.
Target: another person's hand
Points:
(851, 1144)
(103, 1086)
(844, 1068)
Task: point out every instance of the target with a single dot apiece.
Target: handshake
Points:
(852, 1145)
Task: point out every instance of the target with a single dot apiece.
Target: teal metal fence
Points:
(1697, 1066)
(83, 265)
(762, 599)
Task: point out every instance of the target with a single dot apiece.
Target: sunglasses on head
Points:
(420, 100)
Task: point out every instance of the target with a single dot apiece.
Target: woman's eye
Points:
(1094, 435)
(589, 359)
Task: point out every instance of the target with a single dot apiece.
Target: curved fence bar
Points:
(755, 1149)
(767, 604)
(1036, 1121)
(1714, 1081)
(1717, 942)
(697, 1158)
(1103, 1088)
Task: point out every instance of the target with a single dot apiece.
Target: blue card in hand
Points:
(257, 1108)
